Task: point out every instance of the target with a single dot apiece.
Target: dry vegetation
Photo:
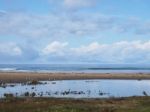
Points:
(134, 104)
(11, 77)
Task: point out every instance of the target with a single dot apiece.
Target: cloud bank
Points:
(59, 26)
(118, 52)
(37, 37)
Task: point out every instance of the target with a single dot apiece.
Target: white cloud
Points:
(11, 52)
(54, 48)
(79, 3)
(91, 48)
(73, 4)
(122, 52)
(51, 26)
(119, 52)
(62, 26)
(10, 49)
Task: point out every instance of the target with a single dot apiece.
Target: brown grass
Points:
(134, 104)
(24, 77)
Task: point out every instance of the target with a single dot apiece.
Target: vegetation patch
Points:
(31, 104)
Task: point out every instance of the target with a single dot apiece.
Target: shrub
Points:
(8, 95)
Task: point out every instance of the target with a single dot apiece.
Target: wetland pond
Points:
(79, 89)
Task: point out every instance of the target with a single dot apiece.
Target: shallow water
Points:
(82, 88)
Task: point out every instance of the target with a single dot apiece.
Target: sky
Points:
(74, 31)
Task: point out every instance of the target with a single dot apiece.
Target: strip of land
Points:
(14, 77)
(133, 104)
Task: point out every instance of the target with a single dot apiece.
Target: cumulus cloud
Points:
(11, 52)
(119, 52)
(124, 51)
(54, 48)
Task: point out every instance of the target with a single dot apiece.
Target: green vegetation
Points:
(34, 82)
(134, 104)
(8, 95)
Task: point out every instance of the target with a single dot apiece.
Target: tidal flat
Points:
(82, 92)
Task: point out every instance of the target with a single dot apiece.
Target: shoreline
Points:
(19, 77)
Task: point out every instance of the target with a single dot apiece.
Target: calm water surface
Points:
(82, 88)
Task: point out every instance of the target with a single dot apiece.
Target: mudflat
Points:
(14, 77)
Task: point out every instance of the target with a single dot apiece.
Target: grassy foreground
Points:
(134, 104)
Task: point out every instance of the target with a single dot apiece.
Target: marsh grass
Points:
(134, 104)
(34, 82)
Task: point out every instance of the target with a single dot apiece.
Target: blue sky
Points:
(74, 31)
